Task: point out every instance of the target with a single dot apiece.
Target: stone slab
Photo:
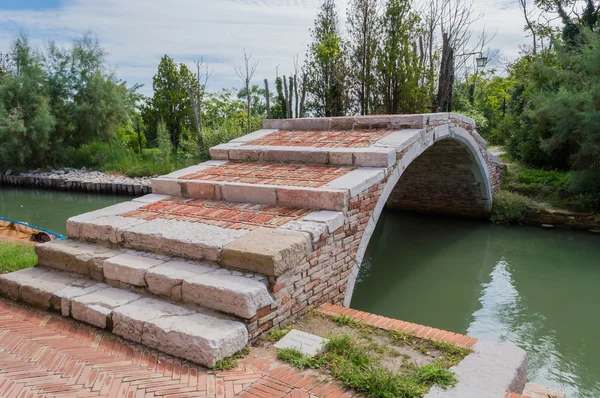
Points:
(39, 291)
(129, 319)
(194, 241)
(231, 294)
(308, 344)
(266, 251)
(163, 280)
(490, 371)
(315, 229)
(96, 308)
(333, 219)
(76, 256)
(151, 198)
(358, 180)
(254, 135)
(74, 223)
(249, 193)
(166, 186)
(534, 390)
(129, 268)
(10, 284)
(107, 229)
(313, 198)
(374, 157)
(200, 338)
(78, 288)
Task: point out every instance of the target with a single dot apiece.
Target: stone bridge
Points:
(276, 223)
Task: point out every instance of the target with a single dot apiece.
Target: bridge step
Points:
(310, 187)
(242, 236)
(201, 283)
(189, 332)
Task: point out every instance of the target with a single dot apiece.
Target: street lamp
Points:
(481, 59)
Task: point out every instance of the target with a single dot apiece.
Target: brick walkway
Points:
(220, 213)
(322, 139)
(45, 355)
(271, 174)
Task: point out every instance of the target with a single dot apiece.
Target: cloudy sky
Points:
(136, 33)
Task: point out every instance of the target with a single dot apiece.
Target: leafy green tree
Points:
(170, 102)
(25, 119)
(258, 106)
(399, 69)
(279, 109)
(363, 29)
(326, 65)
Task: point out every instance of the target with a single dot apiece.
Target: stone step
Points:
(178, 280)
(311, 187)
(257, 238)
(190, 332)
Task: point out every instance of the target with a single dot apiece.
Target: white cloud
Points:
(136, 33)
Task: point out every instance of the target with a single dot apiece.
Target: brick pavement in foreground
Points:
(45, 355)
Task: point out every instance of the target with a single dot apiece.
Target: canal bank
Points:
(533, 287)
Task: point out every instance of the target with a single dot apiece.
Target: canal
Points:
(50, 209)
(537, 288)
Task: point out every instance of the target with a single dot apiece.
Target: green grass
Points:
(355, 366)
(509, 207)
(15, 256)
(232, 361)
(276, 334)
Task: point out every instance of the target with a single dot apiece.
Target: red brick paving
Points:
(219, 213)
(45, 355)
(322, 139)
(271, 174)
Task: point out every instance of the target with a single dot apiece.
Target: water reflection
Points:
(536, 288)
(50, 209)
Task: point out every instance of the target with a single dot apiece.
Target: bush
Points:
(509, 207)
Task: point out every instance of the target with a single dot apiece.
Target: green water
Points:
(50, 209)
(534, 287)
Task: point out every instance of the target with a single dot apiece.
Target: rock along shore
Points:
(81, 180)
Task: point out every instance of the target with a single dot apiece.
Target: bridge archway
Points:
(443, 172)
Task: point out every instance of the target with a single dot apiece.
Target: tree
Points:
(399, 68)
(26, 123)
(363, 30)
(246, 73)
(196, 93)
(170, 102)
(325, 66)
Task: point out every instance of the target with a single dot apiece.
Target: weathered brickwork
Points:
(441, 181)
(320, 139)
(325, 274)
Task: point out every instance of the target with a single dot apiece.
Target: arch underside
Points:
(446, 180)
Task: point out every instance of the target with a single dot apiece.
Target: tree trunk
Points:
(285, 96)
(268, 99)
(303, 98)
(296, 92)
(291, 98)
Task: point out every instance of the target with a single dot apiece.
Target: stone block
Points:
(266, 251)
(254, 136)
(39, 291)
(308, 344)
(163, 278)
(78, 288)
(129, 268)
(150, 198)
(200, 189)
(249, 193)
(247, 154)
(166, 186)
(313, 198)
(374, 157)
(200, 338)
(129, 319)
(358, 180)
(333, 219)
(74, 223)
(96, 308)
(297, 154)
(231, 294)
(220, 152)
(73, 256)
(534, 390)
(341, 157)
(10, 284)
(180, 238)
(315, 229)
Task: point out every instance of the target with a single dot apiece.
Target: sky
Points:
(137, 33)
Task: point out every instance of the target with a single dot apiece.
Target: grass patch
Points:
(358, 368)
(344, 320)
(231, 362)
(276, 334)
(16, 256)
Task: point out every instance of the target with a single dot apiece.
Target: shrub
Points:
(509, 207)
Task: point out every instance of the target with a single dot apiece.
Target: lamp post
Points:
(481, 62)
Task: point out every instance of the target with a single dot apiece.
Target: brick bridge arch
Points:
(445, 171)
